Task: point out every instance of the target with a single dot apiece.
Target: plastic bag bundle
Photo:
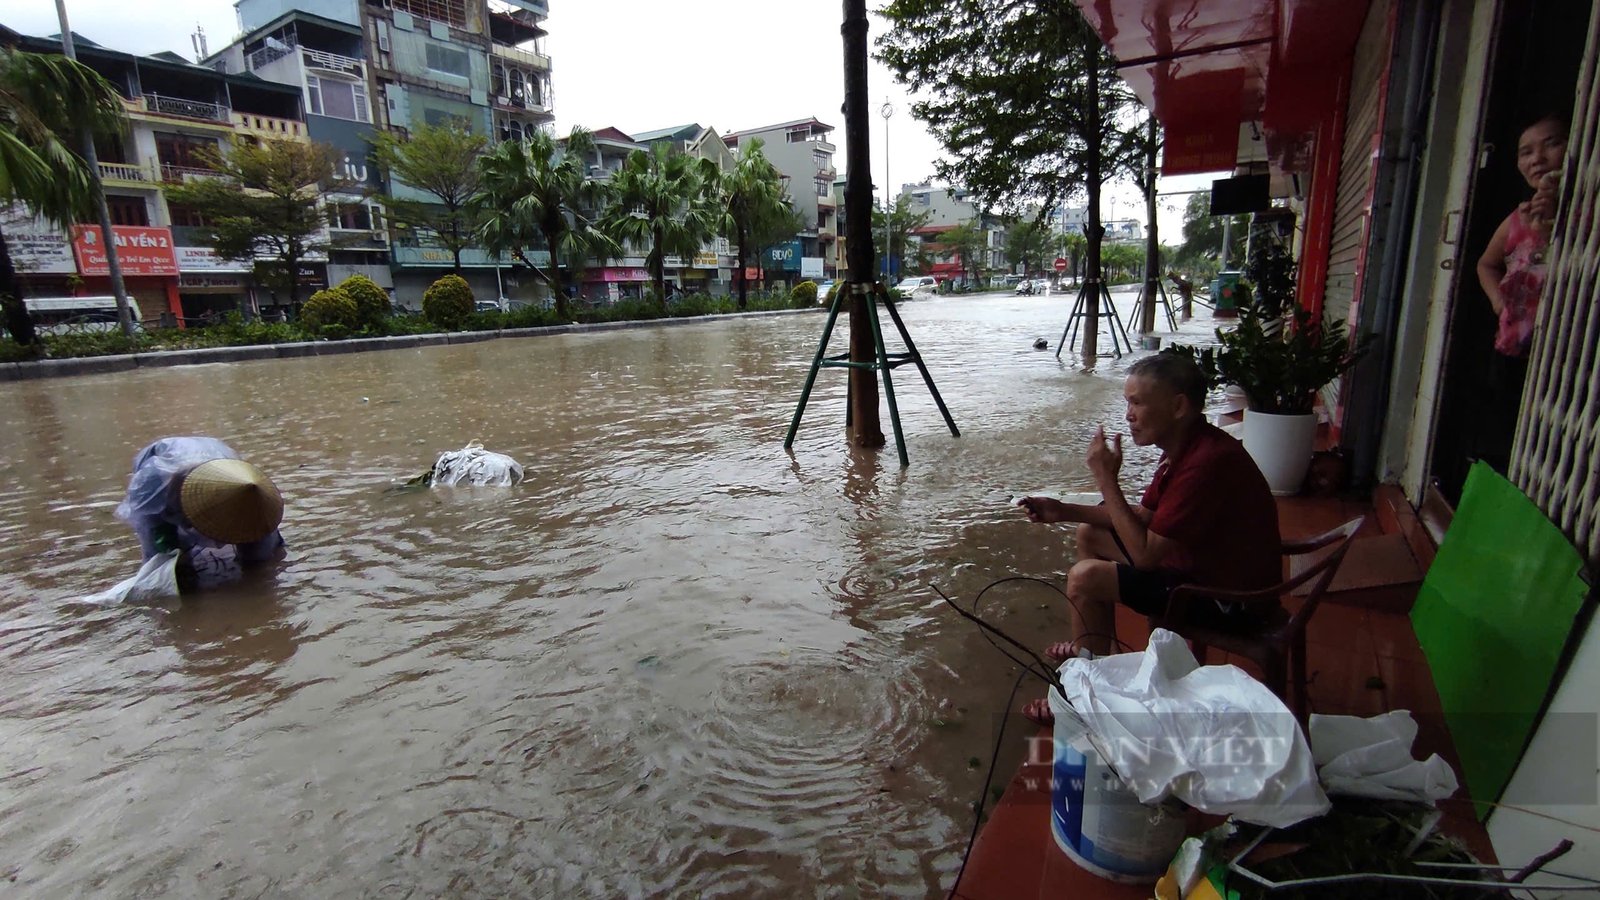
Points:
(1211, 736)
(156, 580)
(473, 465)
(1372, 758)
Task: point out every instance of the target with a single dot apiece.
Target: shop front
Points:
(210, 286)
(149, 268)
(614, 283)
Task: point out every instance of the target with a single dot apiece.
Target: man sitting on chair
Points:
(1207, 517)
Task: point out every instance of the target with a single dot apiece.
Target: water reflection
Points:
(676, 659)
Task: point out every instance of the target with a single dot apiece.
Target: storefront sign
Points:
(811, 267)
(752, 273)
(625, 274)
(211, 284)
(705, 260)
(672, 262)
(784, 256)
(205, 259)
(141, 250)
(35, 247)
(312, 275)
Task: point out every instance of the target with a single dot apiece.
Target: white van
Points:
(918, 286)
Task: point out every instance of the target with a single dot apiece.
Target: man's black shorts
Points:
(1146, 591)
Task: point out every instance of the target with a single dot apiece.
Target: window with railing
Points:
(823, 159)
(180, 154)
(337, 99)
(453, 12)
(824, 187)
(351, 217)
(188, 109)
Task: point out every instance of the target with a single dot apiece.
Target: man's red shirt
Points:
(1213, 501)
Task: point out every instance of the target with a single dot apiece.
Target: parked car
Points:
(1033, 286)
(823, 287)
(918, 286)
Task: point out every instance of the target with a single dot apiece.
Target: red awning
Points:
(1205, 66)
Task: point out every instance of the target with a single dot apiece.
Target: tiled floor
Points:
(1359, 662)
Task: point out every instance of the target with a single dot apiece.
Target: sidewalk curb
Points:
(101, 365)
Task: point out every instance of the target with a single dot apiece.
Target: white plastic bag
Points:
(1212, 736)
(157, 580)
(475, 466)
(1359, 757)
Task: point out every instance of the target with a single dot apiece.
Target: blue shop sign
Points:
(785, 257)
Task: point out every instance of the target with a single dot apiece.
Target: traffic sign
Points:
(1061, 264)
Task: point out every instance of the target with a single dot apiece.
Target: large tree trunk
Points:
(17, 320)
(858, 242)
(1091, 306)
(658, 271)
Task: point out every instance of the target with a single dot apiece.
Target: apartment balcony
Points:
(181, 108)
(521, 57)
(127, 174)
(172, 173)
(333, 62)
(820, 144)
(270, 127)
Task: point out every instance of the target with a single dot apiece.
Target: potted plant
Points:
(1280, 363)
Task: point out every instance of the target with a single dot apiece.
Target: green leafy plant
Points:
(1281, 370)
(1271, 274)
(328, 308)
(804, 295)
(447, 302)
(372, 302)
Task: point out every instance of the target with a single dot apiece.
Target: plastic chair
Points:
(1278, 642)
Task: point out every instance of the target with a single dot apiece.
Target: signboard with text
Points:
(35, 247)
(704, 260)
(784, 256)
(141, 250)
(810, 267)
(205, 259)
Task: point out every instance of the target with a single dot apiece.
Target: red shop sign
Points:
(141, 250)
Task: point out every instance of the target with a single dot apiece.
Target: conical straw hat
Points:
(231, 501)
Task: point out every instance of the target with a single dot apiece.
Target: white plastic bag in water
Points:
(1211, 736)
(476, 466)
(157, 580)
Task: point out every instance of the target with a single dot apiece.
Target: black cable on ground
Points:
(983, 794)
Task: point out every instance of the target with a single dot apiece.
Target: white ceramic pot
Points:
(1281, 447)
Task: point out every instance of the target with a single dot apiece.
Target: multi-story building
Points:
(325, 60)
(801, 151)
(711, 270)
(176, 111)
(402, 64)
(947, 208)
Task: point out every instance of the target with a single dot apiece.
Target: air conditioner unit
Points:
(383, 35)
(377, 234)
(503, 98)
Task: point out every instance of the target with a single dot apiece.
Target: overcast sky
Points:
(638, 65)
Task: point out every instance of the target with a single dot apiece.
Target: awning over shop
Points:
(1207, 66)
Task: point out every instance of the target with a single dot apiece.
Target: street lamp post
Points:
(887, 110)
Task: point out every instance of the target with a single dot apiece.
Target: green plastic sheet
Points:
(1493, 617)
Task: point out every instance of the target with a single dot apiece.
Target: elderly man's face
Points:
(1154, 409)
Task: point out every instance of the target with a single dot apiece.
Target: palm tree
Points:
(45, 100)
(751, 194)
(662, 199)
(534, 192)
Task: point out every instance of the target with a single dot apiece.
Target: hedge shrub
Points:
(372, 302)
(804, 295)
(447, 302)
(331, 307)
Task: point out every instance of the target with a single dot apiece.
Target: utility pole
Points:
(1152, 242)
(86, 140)
(1093, 232)
(858, 241)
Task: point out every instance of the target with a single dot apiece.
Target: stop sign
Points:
(1061, 264)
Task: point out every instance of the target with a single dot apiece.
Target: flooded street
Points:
(677, 660)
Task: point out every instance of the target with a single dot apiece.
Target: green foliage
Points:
(447, 302)
(1028, 244)
(372, 301)
(46, 100)
(440, 161)
(898, 223)
(266, 203)
(536, 194)
(1122, 262)
(969, 242)
(1202, 235)
(330, 313)
(1005, 89)
(804, 295)
(1280, 366)
(834, 291)
(756, 205)
(668, 201)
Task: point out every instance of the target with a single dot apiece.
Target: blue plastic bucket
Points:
(1097, 821)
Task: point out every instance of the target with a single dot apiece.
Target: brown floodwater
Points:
(677, 660)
